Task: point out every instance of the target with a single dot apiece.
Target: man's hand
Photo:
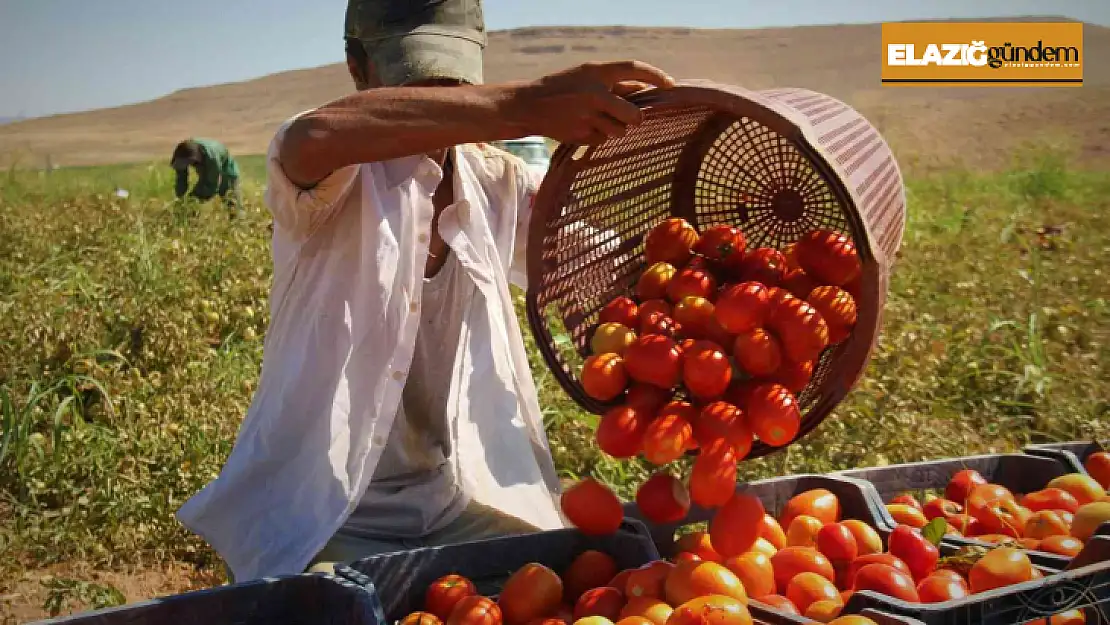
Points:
(584, 104)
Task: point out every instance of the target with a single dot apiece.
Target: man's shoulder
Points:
(496, 163)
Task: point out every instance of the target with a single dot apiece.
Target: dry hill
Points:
(925, 125)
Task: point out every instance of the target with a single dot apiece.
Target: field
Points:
(130, 342)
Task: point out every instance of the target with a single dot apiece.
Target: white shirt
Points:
(349, 259)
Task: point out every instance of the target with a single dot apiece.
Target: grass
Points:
(130, 346)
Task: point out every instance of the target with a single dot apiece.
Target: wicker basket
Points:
(775, 163)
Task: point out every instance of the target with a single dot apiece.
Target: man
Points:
(217, 171)
(396, 407)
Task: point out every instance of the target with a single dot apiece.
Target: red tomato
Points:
(779, 603)
(662, 498)
(907, 499)
(723, 244)
(837, 308)
(1098, 466)
(620, 433)
(937, 588)
(887, 580)
(657, 323)
(996, 509)
(444, 593)
(736, 526)
(654, 610)
(819, 503)
(771, 531)
(1062, 545)
(654, 281)
(621, 310)
(700, 544)
(695, 316)
(765, 265)
(1002, 566)
(874, 558)
(837, 542)
(960, 486)
(421, 618)
(906, 515)
(791, 561)
(1051, 499)
(795, 376)
(799, 283)
(712, 609)
(911, 547)
(742, 307)
(713, 478)
(754, 571)
(758, 352)
(667, 436)
(692, 283)
(604, 376)
(475, 610)
(1045, 523)
(706, 370)
(773, 414)
(806, 588)
(830, 257)
(802, 330)
(646, 399)
(672, 240)
(603, 601)
(590, 569)
(648, 580)
(940, 507)
(591, 507)
(653, 360)
(721, 419)
(655, 305)
(965, 524)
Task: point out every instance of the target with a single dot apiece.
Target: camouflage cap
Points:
(414, 40)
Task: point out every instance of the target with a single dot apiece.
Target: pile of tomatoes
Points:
(1057, 519)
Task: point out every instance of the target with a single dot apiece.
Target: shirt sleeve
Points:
(300, 211)
(528, 184)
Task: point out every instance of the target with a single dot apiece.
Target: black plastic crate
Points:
(1021, 473)
(858, 500)
(401, 579)
(1085, 584)
(1073, 454)
(313, 599)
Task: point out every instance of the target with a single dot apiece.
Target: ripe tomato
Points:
(1002, 566)
(802, 330)
(819, 503)
(1062, 545)
(686, 556)
(706, 370)
(636, 620)
(620, 580)
(723, 244)
(837, 308)
(837, 542)
(736, 526)
(662, 498)
(475, 610)
(648, 580)
(721, 419)
(689, 580)
(802, 531)
(712, 610)
(940, 507)
(591, 569)
(1098, 466)
(911, 547)
(654, 609)
(611, 338)
(937, 588)
(754, 571)
(622, 310)
(998, 513)
(620, 433)
(805, 588)
(671, 240)
(1083, 487)
(713, 478)
(692, 283)
(830, 257)
(421, 618)
(965, 524)
(791, 561)
(604, 376)
(799, 283)
(960, 486)
(699, 544)
(602, 601)
(868, 540)
(591, 507)
(1050, 499)
(763, 546)
(795, 376)
(654, 281)
(773, 414)
(1045, 523)
(533, 591)
(874, 558)
(887, 580)
(780, 603)
(656, 305)
(906, 515)
(646, 399)
(772, 532)
(765, 265)
(656, 323)
(445, 592)
(696, 317)
(653, 360)
(593, 620)
(909, 500)
(758, 352)
(824, 610)
(741, 307)
(666, 437)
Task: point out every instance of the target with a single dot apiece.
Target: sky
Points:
(71, 55)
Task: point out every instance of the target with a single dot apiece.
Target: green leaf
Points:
(934, 530)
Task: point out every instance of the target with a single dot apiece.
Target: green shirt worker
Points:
(217, 171)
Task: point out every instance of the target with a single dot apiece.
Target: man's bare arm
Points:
(579, 105)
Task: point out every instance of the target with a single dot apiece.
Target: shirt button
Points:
(414, 307)
(398, 375)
